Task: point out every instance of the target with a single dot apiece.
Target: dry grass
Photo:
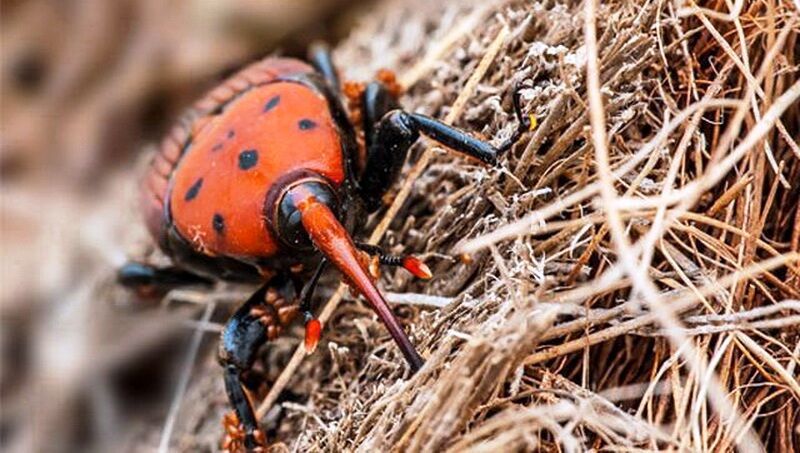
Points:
(634, 277)
(633, 280)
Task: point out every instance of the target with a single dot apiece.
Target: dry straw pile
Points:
(633, 279)
(634, 275)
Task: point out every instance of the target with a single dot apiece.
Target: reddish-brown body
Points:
(297, 133)
(209, 180)
(265, 176)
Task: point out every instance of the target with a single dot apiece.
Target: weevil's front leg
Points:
(408, 262)
(264, 316)
(390, 136)
(459, 140)
(312, 324)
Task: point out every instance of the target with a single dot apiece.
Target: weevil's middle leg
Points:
(312, 324)
(153, 282)
(264, 316)
(319, 55)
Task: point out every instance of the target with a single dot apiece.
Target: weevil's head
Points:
(306, 216)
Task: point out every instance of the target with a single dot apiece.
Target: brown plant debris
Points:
(629, 278)
(693, 104)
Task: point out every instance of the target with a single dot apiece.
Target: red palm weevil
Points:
(270, 174)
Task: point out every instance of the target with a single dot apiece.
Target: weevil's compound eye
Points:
(288, 223)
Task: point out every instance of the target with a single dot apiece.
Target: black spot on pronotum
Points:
(306, 124)
(191, 194)
(218, 222)
(216, 147)
(248, 159)
(231, 133)
(273, 101)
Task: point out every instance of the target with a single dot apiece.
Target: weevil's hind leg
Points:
(319, 55)
(263, 317)
(150, 281)
(307, 293)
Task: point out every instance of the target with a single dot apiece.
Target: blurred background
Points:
(88, 88)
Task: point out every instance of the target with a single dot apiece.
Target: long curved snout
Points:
(330, 237)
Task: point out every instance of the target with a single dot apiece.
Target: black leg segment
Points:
(307, 293)
(263, 317)
(455, 139)
(377, 102)
(410, 262)
(319, 55)
(389, 138)
(139, 275)
(389, 144)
